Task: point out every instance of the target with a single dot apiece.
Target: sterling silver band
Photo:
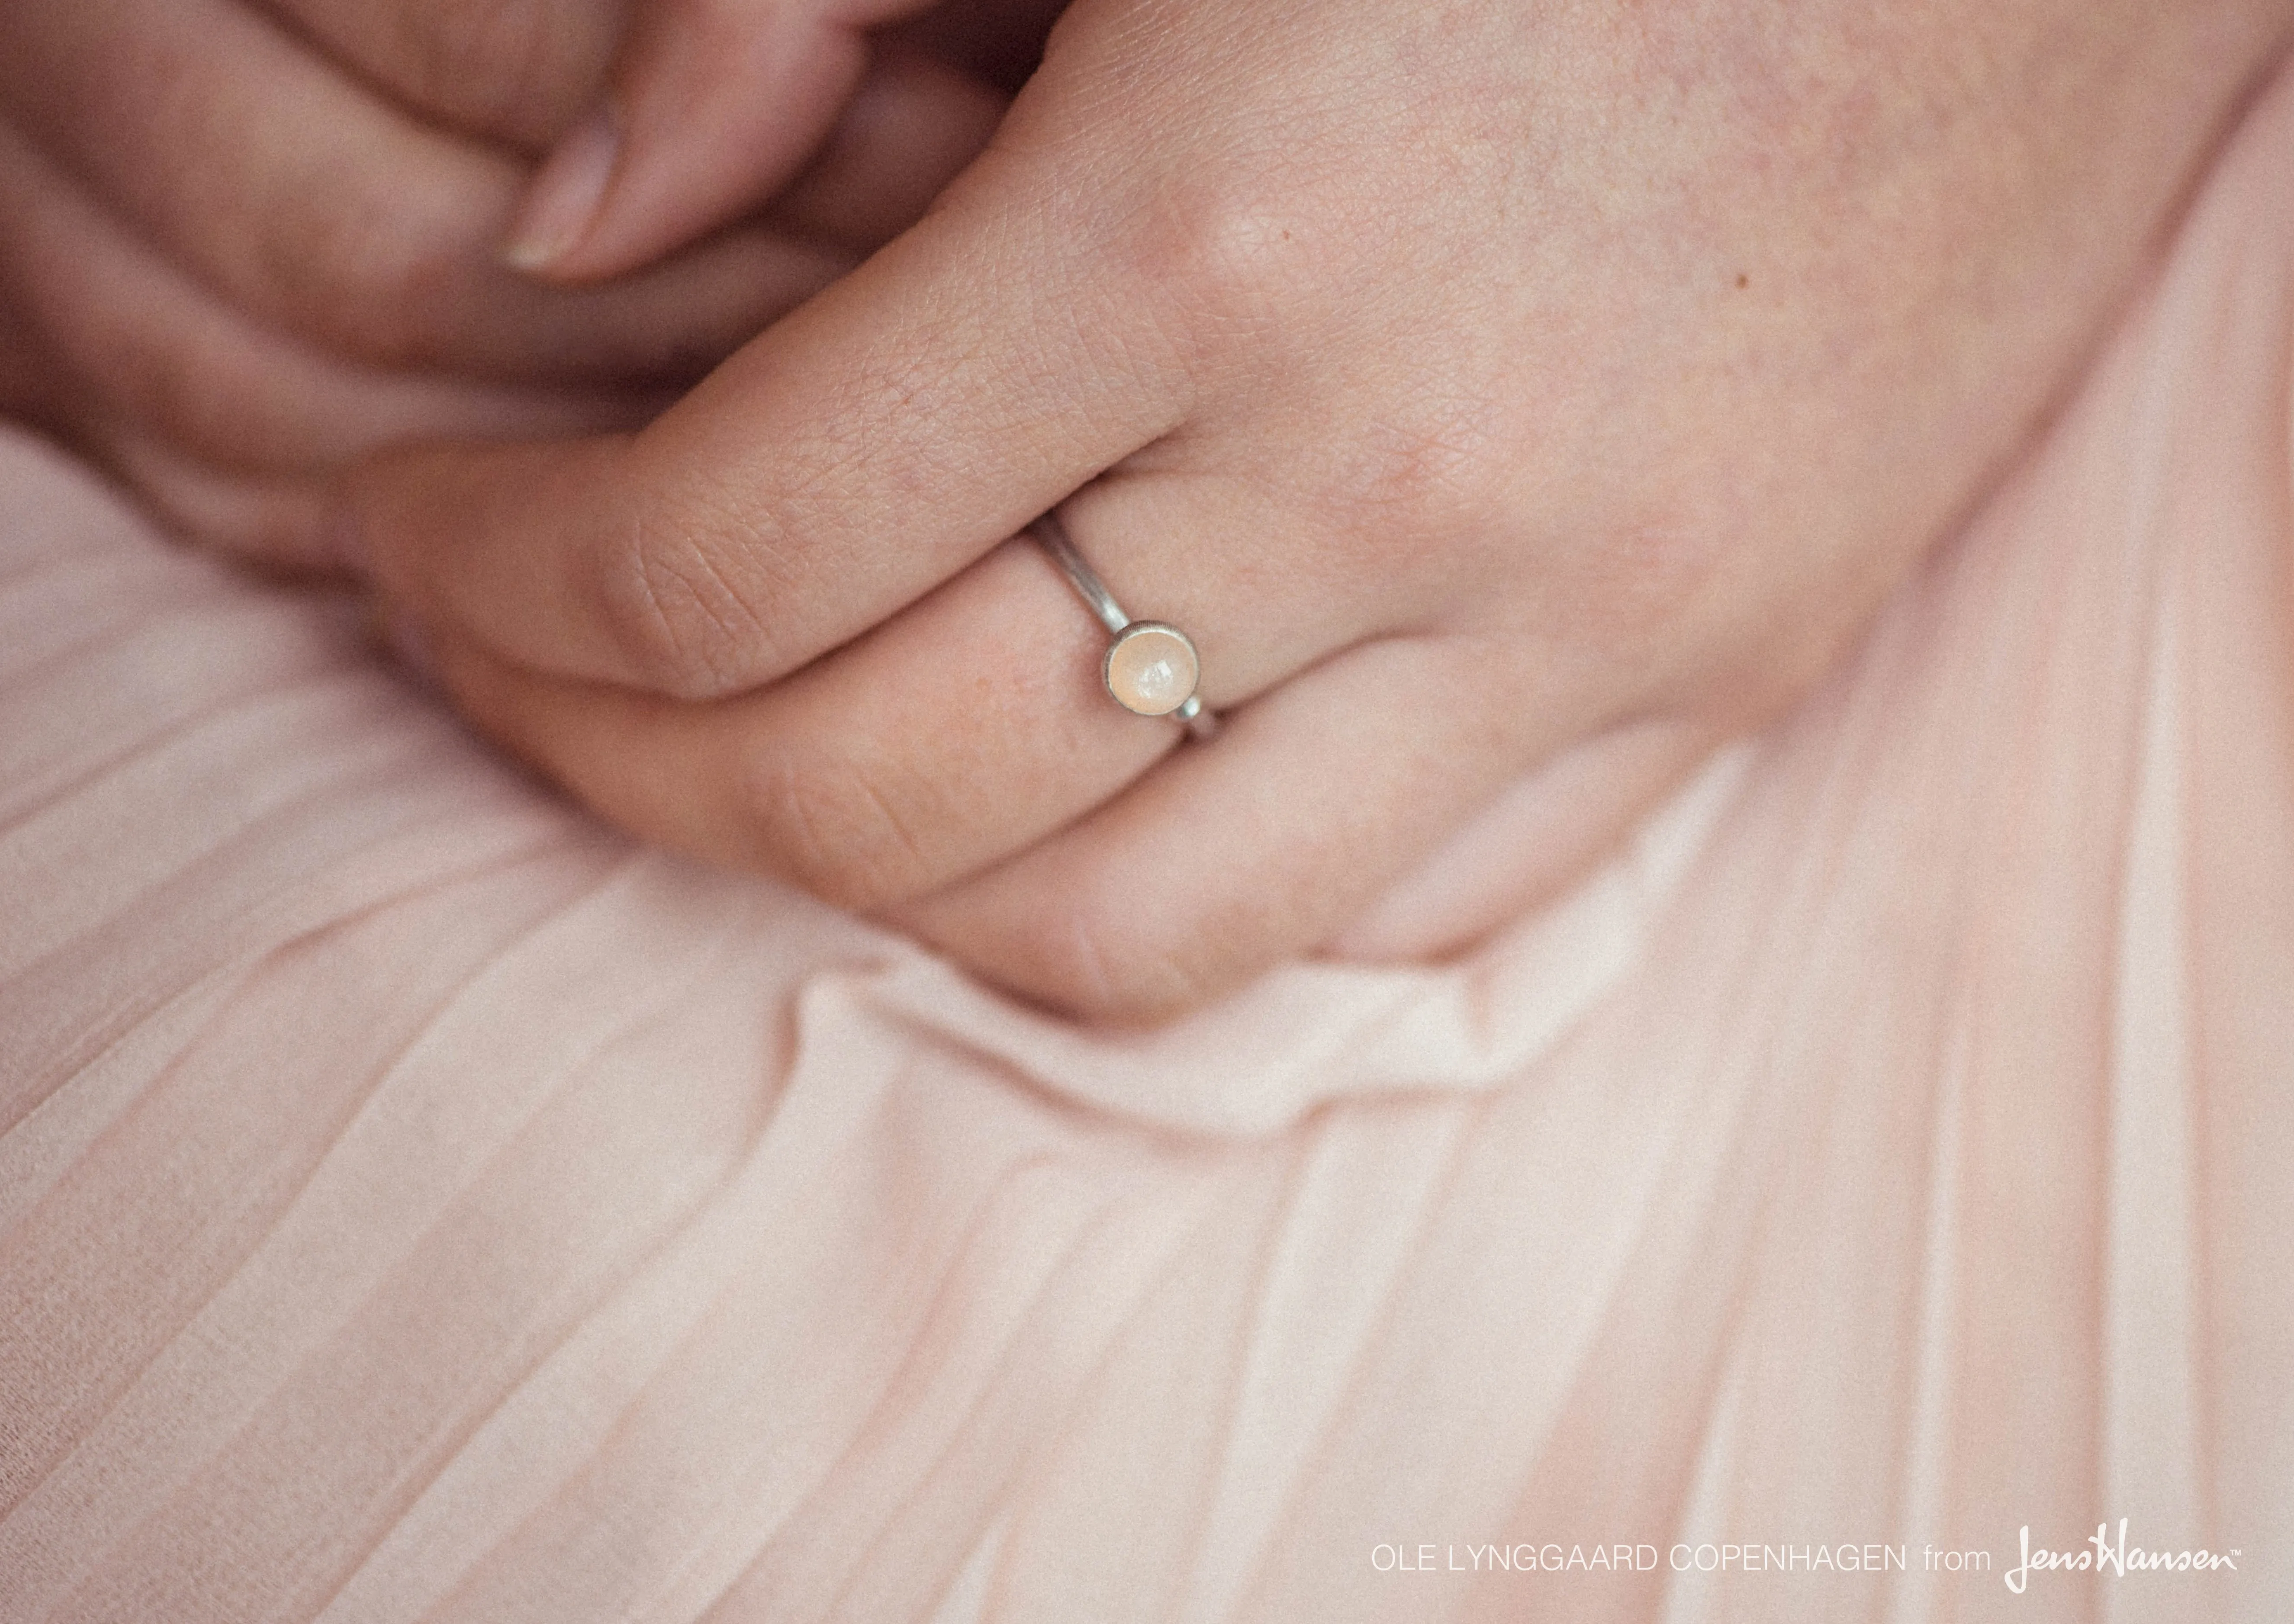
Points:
(1146, 657)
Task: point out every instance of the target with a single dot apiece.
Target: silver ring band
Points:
(1151, 668)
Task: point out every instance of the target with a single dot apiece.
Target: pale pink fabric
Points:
(417, 1204)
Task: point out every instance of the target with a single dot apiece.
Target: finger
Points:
(140, 345)
(1226, 859)
(715, 106)
(968, 727)
(875, 775)
(912, 128)
(518, 70)
(1178, 533)
(277, 520)
(858, 452)
(297, 194)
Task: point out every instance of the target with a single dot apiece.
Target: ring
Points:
(1151, 667)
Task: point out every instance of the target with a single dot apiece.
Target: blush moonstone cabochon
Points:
(1152, 669)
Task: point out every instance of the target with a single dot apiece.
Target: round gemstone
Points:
(1152, 669)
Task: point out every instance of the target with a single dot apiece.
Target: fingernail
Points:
(564, 198)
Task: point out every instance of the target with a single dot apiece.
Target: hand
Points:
(1482, 384)
(244, 246)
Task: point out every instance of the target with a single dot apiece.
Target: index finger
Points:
(861, 450)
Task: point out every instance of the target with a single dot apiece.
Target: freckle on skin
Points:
(1743, 280)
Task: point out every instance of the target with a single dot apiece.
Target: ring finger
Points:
(1229, 859)
(962, 730)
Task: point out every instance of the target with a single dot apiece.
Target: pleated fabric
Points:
(419, 1204)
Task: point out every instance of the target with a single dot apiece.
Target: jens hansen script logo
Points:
(2115, 1557)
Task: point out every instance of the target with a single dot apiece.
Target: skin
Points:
(242, 246)
(1513, 399)
(1488, 387)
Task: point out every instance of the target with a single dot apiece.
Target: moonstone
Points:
(1152, 669)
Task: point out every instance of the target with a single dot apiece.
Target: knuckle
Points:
(1095, 957)
(1219, 247)
(833, 822)
(683, 625)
